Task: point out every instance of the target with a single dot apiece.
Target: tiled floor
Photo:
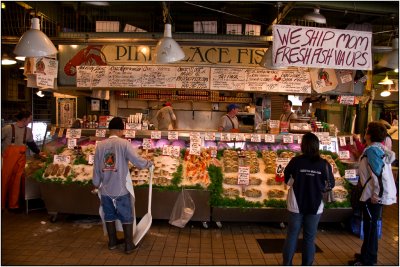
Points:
(33, 240)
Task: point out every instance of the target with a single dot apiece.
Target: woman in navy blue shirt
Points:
(306, 175)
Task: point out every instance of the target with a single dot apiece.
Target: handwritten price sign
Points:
(155, 135)
(269, 138)
(71, 143)
(240, 137)
(166, 150)
(243, 175)
(100, 132)
(226, 137)
(91, 159)
(209, 136)
(130, 133)
(61, 159)
(147, 144)
(344, 154)
(173, 135)
(342, 141)
(176, 151)
(133, 126)
(288, 139)
(255, 138)
(73, 133)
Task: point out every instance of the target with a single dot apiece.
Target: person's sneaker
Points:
(355, 263)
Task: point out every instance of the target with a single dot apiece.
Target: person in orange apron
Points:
(14, 139)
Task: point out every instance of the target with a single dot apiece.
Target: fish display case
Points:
(230, 176)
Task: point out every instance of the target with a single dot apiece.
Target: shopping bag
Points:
(183, 210)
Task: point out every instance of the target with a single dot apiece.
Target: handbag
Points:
(327, 194)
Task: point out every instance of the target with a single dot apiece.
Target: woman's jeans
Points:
(310, 227)
(369, 249)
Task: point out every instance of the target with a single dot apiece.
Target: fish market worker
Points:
(166, 119)
(229, 122)
(14, 139)
(287, 116)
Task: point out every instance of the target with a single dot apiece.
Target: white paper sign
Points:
(166, 150)
(325, 140)
(351, 176)
(91, 159)
(155, 135)
(351, 140)
(133, 126)
(287, 139)
(342, 140)
(255, 138)
(240, 137)
(274, 123)
(347, 100)
(130, 133)
(321, 47)
(209, 136)
(269, 138)
(243, 175)
(213, 151)
(226, 137)
(61, 159)
(344, 154)
(194, 148)
(176, 151)
(299, 137)
(147, 144)
(173, 135)
(101, 132)
(281, 164)
(71, 143)
(73, 133)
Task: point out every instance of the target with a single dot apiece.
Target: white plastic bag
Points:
(183, 210)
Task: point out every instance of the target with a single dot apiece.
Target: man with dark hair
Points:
(378, 188)
(111, 176)
(229, 122)
(14, 139)
(287, 114)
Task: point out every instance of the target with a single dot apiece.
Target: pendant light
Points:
(167, 49)
(386, 81)
(39, 94)
(6, 60)
(266, 61)
(385, 93)
(391, 60)
(34, 43)
(315, 17)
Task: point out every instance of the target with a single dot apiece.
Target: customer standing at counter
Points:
(14, 139)
(229, 122)
(379, 189)
(166, 119)
(306, 175)
(111, 176)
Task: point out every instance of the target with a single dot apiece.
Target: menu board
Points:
(228, 79)
(287, 81)
(193, 77)
(158, 77)
(235, 79)
(125, 76)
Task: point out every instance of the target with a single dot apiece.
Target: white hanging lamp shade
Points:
(34, 43)
(315, 17)
(167, 49)
(266, 61)
(391, 60)
(386, 81)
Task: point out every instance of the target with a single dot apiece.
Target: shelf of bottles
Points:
(191, 95)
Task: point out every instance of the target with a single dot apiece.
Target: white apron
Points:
(118, 224)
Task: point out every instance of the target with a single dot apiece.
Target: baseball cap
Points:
(116, 124)
(168, 104)
(232, 106)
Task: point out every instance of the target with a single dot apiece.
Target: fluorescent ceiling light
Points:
(167, 49)
(391, 60)
(6, 60)
(385, 93)
(40, 94)
(20, 58)
(34, 43)
(315, 17)
(386, 81)
(266, 61)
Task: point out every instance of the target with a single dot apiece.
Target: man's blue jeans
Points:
(310, 227)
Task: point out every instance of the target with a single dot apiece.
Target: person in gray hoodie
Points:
(376, 179)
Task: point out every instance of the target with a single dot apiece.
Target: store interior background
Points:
(64, 21)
